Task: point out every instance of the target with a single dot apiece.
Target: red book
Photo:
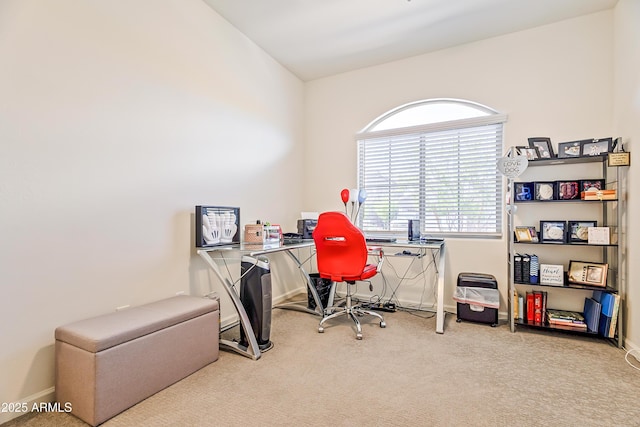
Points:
(530, 308)
(537, 307)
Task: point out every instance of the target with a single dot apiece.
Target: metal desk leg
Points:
(440, 305)
(319, 310)
(252, 351)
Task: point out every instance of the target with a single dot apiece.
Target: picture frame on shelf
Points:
(588, 273)
(522, 234)
(553, 231)
(596, 147)
(523, 191)
(543, 144)
(526, 234)
(591, 184)
(545, 190)
(599, 235)
(552, 274)
(578, 231)
(533, 233)
(531, 153)
(567, 190)
(571, 149)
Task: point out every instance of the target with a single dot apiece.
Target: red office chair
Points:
(342, 254)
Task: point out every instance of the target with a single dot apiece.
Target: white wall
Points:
(625, 115)
(116, 119)
(553, 81)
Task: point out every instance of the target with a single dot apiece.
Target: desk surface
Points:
(409, 244)
(257, 249)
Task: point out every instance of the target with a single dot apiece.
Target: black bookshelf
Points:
(563, 244)
(599, 209)
(571, 287)
(548, 327)
(569, 160)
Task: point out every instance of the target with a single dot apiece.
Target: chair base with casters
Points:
(352, 311)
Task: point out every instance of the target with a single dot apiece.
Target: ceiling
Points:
(318, 38)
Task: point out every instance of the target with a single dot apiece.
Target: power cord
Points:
(405, 277)
(635, 356)
(417, 312)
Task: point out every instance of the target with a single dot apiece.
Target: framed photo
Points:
(552, 274)
(591, 184)
(588, 273)
(570, 149)
(596, 147)
(545, 150)
(567, 190)
(533, 233)
(523, 191)
(599, 236)
(579, 231)
(531, 153)
(522, 234)
(545, 190)
(526, 234)
(216, 226)
(553, 231)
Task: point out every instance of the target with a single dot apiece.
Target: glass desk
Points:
(252, 350)
(435, 249)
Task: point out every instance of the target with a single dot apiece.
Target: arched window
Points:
(435, 161)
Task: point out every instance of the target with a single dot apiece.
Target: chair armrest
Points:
(378, 252)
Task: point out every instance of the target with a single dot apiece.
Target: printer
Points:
(306, 227)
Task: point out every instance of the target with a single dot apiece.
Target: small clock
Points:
(545, 190)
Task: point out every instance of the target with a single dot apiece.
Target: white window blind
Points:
(443, 174)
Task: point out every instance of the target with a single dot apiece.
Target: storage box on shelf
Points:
(566, 198)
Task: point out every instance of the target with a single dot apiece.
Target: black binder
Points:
(526, 268)
(517, 268)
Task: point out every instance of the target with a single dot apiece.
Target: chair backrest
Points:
(341, 249)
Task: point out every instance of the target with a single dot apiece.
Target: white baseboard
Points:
(633, 349)
(28, 403)
(232, 319)
(287, 296)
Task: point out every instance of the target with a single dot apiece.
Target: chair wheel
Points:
(358, 336)
(383, 325)
(320, 329)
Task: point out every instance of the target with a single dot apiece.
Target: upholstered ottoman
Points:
(109, 363)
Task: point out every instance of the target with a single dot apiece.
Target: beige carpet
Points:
(404, 375)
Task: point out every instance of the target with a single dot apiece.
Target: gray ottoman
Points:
(109, 363)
